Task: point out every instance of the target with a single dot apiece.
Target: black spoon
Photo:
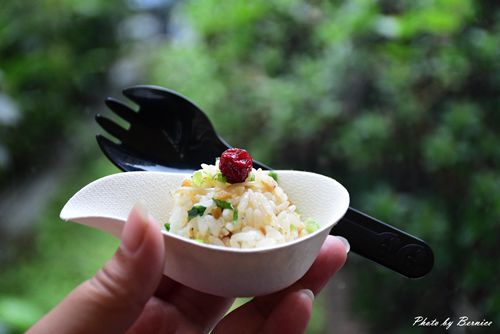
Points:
(170, 133)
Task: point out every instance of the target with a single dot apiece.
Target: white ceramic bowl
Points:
(105, 204)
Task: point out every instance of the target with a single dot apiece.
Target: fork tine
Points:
(143, 95)
(111, 127)
(112, 151)
(120, 108)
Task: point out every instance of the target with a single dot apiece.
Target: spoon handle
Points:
(385, 244)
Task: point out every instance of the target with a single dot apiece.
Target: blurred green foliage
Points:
(55, 260)
(54, 59)
(397, 100)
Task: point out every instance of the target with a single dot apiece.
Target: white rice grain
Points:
(251, 214)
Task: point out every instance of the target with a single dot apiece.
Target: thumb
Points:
(113, 299)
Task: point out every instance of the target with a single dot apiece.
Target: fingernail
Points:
(308, 293)
(135, 228)
(142, 211)
(345, 242)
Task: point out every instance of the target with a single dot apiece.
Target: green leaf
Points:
(222, 204)
(235, 216)
(197, 210)
(167, 226)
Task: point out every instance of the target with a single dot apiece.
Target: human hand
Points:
(131, 295)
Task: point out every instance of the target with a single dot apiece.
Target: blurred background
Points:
(398, 100)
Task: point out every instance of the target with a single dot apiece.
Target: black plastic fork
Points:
(170, 133)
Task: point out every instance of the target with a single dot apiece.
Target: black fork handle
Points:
(385, 244)
(382, 243)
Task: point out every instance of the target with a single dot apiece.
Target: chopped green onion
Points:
(250, 177)
(222, 204)
(197, 210)
(235, 216)
(197, 178)
(200, 241)
(226, 205)
(292, 227)
(167, 226)
(273, 175)
(219, 177)
(311, 225)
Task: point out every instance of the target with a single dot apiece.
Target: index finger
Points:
(200, 308)
(331, 258)
(253, 314)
